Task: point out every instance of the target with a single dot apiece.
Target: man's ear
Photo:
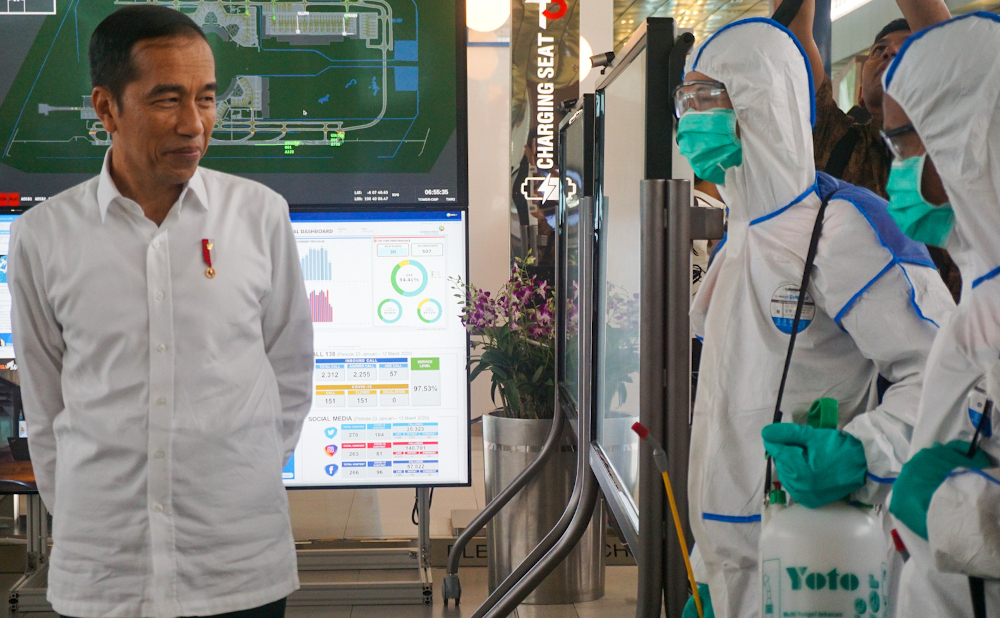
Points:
(106, 108)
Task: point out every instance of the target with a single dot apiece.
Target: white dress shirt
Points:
(162, 404)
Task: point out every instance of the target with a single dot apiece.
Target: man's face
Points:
(894, 117)
(162, 128)
(881, 54)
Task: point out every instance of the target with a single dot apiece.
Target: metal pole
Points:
(452, 587)
(577, 528)
(651, 404)
(424, 526)
(516, 576)
(37, 532)
(823, 34)
(578, 516)
(677, 429)
(585, 313)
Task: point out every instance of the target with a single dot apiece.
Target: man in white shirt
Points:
(165, 346)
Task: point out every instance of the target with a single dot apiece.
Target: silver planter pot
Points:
(509, 445)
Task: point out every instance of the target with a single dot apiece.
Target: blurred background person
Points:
(942, 121)
(848, 145)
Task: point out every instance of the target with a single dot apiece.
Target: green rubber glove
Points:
(691, 610)
(816, 466)
(922, 475)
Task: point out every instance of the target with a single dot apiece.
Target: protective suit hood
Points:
(766, 73)
(952, 97)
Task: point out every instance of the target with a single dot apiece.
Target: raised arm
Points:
(802, 28)
(921, 14)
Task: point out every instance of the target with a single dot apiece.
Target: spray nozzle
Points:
(777, 495)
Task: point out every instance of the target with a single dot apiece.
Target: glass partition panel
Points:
(621, 125)
(574, 183)
(571, 300)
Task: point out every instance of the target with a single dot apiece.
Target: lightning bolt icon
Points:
(550, 188)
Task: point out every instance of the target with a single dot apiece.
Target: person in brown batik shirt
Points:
(848, 145)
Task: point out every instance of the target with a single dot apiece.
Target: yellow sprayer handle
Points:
(684, 546)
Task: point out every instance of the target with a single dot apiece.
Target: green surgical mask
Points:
(708, 141)
(919, 219)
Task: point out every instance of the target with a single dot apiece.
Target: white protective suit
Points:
(875, 304)
(951, 93)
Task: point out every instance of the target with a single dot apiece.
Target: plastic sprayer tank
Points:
(827, 562)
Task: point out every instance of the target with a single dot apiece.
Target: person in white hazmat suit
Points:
(746, 108)
(943, 124)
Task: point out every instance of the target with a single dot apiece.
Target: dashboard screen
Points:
(391, 402)
(6, 343)
(327, 102)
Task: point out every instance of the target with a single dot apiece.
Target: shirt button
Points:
(161, 401)
(159, 296)
(159, 455)
(161, 348)
(156, 244)
(158, 508)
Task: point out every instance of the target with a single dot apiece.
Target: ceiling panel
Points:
(702, 16)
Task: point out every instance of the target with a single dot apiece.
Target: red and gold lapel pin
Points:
(208, 253)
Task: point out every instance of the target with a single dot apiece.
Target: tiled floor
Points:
(618, 602)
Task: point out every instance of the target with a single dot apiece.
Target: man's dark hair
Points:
(111, 45)
(893, 26)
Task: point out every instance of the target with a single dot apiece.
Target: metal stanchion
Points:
(684, 223)
(652, 501)
(452, 587)
(521, 582)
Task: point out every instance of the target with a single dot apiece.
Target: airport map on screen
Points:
(391, 388)
(327, 102)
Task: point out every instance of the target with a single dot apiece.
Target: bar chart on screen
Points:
(339, 284)
(319, 304)
(316, 265)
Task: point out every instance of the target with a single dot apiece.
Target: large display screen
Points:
(327, 102)
(623, 135)
(391, 403)
(6, 343)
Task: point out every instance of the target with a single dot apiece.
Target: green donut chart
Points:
(389, 311)
(404, 277)
(429, 310)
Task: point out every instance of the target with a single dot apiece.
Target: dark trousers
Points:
(271, 610)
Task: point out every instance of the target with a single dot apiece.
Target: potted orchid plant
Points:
(513, 338)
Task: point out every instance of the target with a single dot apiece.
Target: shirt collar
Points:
(708, 199)
(107, 192)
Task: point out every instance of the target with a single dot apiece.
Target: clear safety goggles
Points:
(700, 95)
(903, 142)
